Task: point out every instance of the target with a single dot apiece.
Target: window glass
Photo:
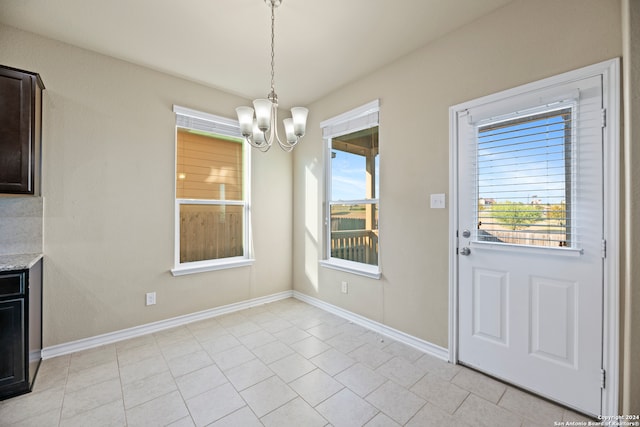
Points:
(353, 204)
(524, 180)
(210, 196)
(208, 166)
(210, 231)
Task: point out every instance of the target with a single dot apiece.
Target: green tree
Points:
(516, 214)
(557, 212)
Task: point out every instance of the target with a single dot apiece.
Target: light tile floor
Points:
(281, 364)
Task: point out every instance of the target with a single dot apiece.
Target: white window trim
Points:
(228, 127)
(359, 118)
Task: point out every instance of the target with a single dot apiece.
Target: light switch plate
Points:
(438, 201)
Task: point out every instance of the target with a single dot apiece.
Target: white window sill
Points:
(202, 266)
(371, 271)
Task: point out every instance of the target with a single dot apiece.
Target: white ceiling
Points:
(320, 44)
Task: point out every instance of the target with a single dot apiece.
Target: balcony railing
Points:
(355, 245)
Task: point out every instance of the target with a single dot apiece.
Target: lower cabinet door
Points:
(12, 347)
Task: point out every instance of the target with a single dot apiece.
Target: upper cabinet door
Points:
(20, 131)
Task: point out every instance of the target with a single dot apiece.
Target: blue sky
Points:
(348, 173)
(523, 162)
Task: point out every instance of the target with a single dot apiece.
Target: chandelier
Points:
(261, 130)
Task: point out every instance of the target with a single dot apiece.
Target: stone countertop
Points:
(18, 261)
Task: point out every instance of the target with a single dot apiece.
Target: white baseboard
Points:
(149, 328)
(410, 340)
(136, 331)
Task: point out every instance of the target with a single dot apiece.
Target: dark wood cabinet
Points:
(20, 131)
(20, 329)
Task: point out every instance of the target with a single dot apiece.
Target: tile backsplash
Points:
(20, 225)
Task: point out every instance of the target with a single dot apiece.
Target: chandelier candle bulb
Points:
(299, 116)
(289, 130)
(263, 113)
(245, 118)
(258, 135)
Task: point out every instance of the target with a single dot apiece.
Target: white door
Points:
(530, 239)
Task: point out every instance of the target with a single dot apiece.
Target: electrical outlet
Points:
(345, 287)
(151, 298)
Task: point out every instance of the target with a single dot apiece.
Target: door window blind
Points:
(525, 179)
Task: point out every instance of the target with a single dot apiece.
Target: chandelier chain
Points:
(273, 60)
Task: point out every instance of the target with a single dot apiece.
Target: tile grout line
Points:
(173, 377)
(191, 415)
(64, 390)
(124, 405)
(462, 403)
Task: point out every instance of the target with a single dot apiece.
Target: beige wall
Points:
(109, 158)
(631, 289)
(519, 43)
(108, 185)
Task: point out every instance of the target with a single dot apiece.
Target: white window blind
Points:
(210, 123)
(363, 117)
(525, 178)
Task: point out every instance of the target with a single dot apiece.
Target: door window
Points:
(524, 181)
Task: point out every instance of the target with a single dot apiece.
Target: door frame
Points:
(610, 71)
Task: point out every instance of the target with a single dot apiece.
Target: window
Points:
(525, 181)
(211, 205)
(352, 195)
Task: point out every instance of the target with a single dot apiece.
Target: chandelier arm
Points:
(250, 141)
(274, 136)
(264, 148)
(286, 145)
(288, 148)
(261, 147)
